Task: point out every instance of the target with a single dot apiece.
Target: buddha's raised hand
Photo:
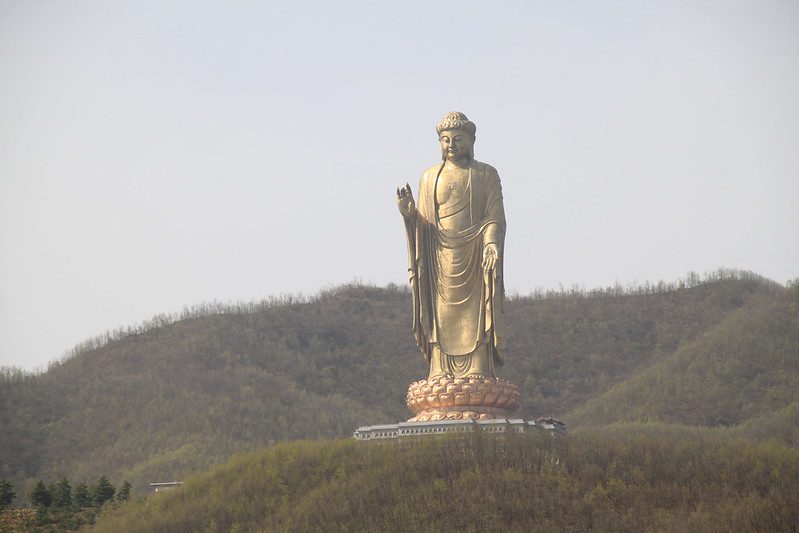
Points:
(407, 207)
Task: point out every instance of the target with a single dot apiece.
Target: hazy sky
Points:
(161, 154)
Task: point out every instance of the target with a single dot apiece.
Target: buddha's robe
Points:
(458, 307)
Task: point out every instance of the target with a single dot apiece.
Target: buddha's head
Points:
(456, 133)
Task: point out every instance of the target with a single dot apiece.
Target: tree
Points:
(124, 491)
(7, 494)
(40, 496)
(81, 496)
(104, 491)
(62, 495)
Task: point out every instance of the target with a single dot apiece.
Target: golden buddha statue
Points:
(456, 239)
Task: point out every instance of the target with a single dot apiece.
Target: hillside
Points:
(631, 478)
(746, 366)
(182, 393)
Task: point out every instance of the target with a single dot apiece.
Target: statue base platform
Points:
(472, 398)
(493, 426)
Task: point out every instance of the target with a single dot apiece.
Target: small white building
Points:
(164, 486)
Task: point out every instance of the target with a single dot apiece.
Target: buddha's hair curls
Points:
(455, 120)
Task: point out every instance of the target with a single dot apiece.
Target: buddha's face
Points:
(456, 145)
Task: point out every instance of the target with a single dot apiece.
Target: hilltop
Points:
(631, 478)
(182, 393)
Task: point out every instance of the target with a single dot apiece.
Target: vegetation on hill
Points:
(59, 506)
(744, 367)
(180, 393)
(624, 478)
(780, 426)
(567, 348)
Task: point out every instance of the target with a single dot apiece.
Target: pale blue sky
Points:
(161, 154)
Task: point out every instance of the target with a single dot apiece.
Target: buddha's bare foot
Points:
(475, 376)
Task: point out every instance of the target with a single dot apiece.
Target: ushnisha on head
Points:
(456, 133)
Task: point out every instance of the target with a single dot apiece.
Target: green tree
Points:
(7, 494)
(81, 496)
(62, 495)
(124, 491)
(40, 495)
(104, 491)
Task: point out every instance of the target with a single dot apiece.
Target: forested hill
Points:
(640, 477)
(171, 398)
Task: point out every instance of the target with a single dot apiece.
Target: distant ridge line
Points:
(690, 280)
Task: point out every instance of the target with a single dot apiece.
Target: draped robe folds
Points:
(457, 307)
